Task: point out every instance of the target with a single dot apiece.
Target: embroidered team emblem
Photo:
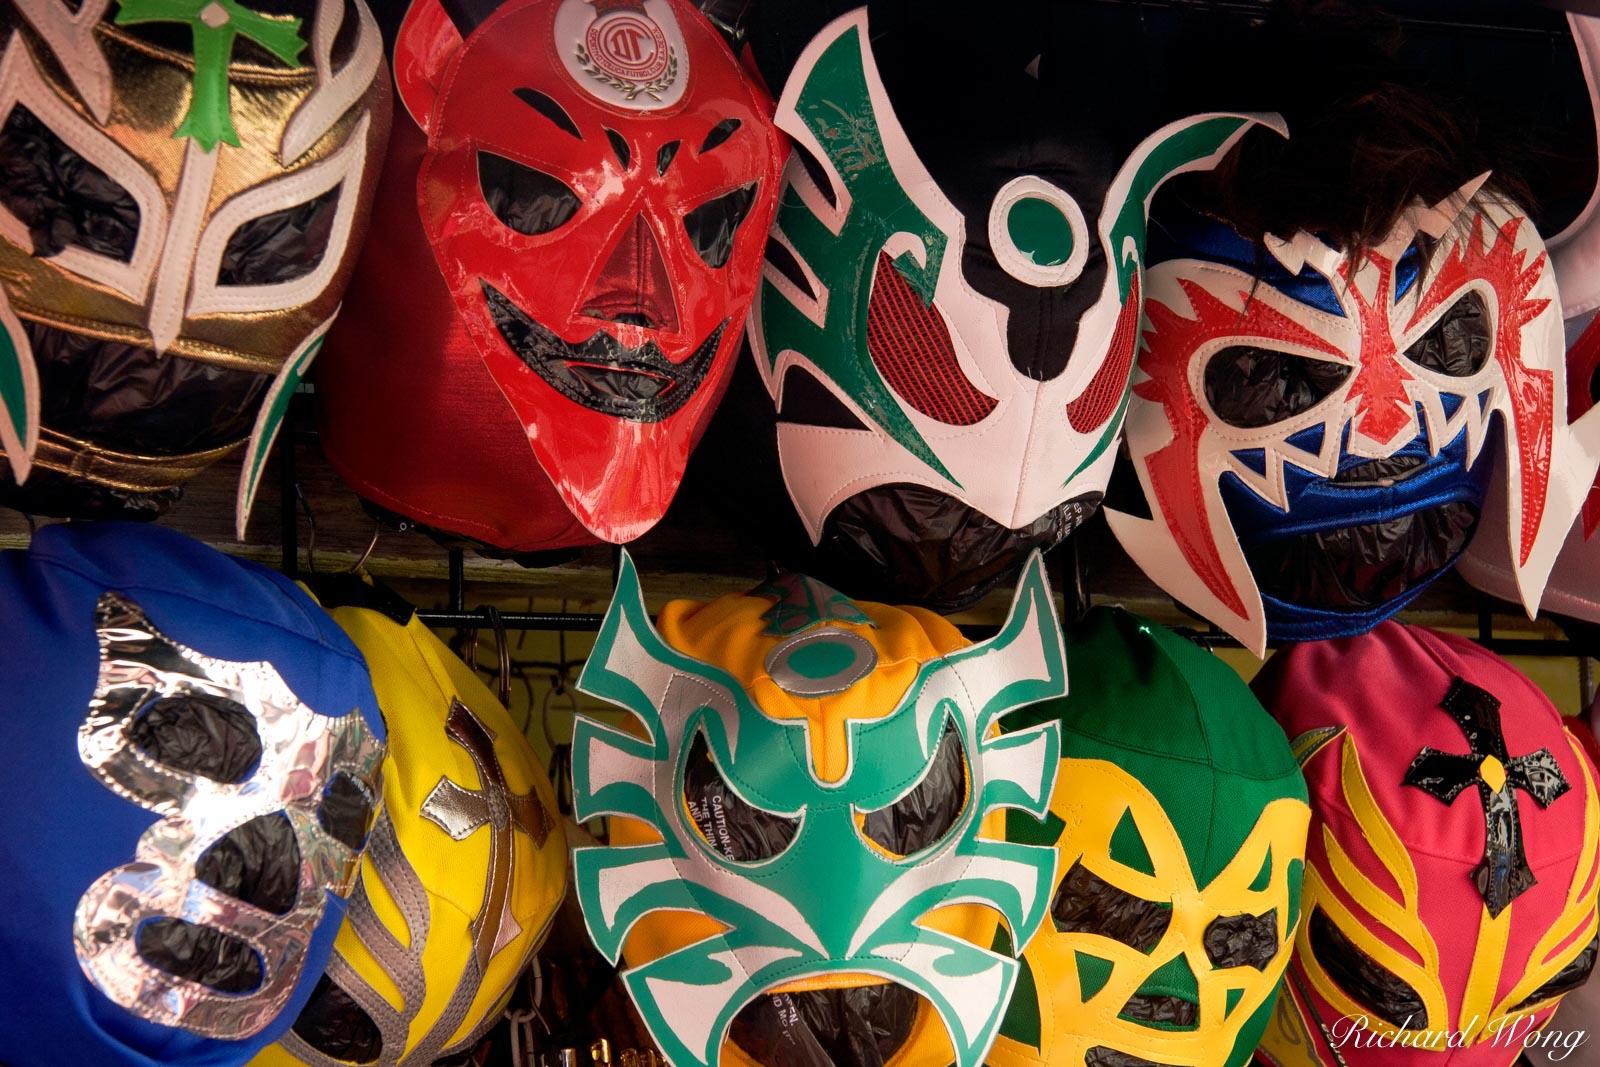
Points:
(628, 53)
(625, 43)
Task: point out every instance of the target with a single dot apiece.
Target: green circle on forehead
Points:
(821, 659)
(1040, 230)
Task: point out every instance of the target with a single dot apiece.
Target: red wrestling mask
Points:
(597, 189)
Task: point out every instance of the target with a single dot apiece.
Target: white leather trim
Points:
(269, 422)
(815, 310)
(1019, 264)
(166, 312)
(20, 447)
(1575, 251)
(337, 92)
(344, 166)
(21, 83)
(71, 38)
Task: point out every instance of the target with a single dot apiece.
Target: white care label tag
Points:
(627, 53)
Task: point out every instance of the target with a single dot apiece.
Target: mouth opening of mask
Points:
(1101, 1056)
(852, 1026)
(1382, 472)
(905, 543)
(1362, 566)
(639, 384)
(126, 398)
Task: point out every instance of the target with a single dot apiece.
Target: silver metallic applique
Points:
(459, 812)
(301, 751)
(815, 663)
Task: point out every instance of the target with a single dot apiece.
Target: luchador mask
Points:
(947, 335)
(1180, 818)
(463, 873)
(812, 809)
(595, 190)
(182, 187)
(1451, 875)
(1572, 589)
(198, 756)
(1310, 440)
(1575, 252)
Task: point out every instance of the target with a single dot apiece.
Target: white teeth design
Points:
(1435, 221)
(1472, 415)
(1301, 249)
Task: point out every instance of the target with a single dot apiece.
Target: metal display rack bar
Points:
(1069, 576)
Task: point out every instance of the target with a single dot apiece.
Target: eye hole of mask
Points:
(1250, 387)
(1458, 344)
(527, 200)
(719, 135)
(62, 198)
(336, 1026)
(922, 817)
(258, 863)
(733, 828)
(712, 225)
(345, 811)
(1087, 904)
(199, 733)
(1565, 980)
(1242, 940)
(200, 954)
(816, 172)
(282, 245)
(1367, 981)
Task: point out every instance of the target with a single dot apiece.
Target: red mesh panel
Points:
(910, 346)
(1099, 401)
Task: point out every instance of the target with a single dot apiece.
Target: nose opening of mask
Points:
(904, 543)
(633, 288)
(199, 954)
(1168, 1000)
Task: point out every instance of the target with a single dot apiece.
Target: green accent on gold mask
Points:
(1127, 847)
(14, 405)
(215, 24)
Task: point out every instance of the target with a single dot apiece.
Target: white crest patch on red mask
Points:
(1387, 392)
(626, 53)
(599, 218)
